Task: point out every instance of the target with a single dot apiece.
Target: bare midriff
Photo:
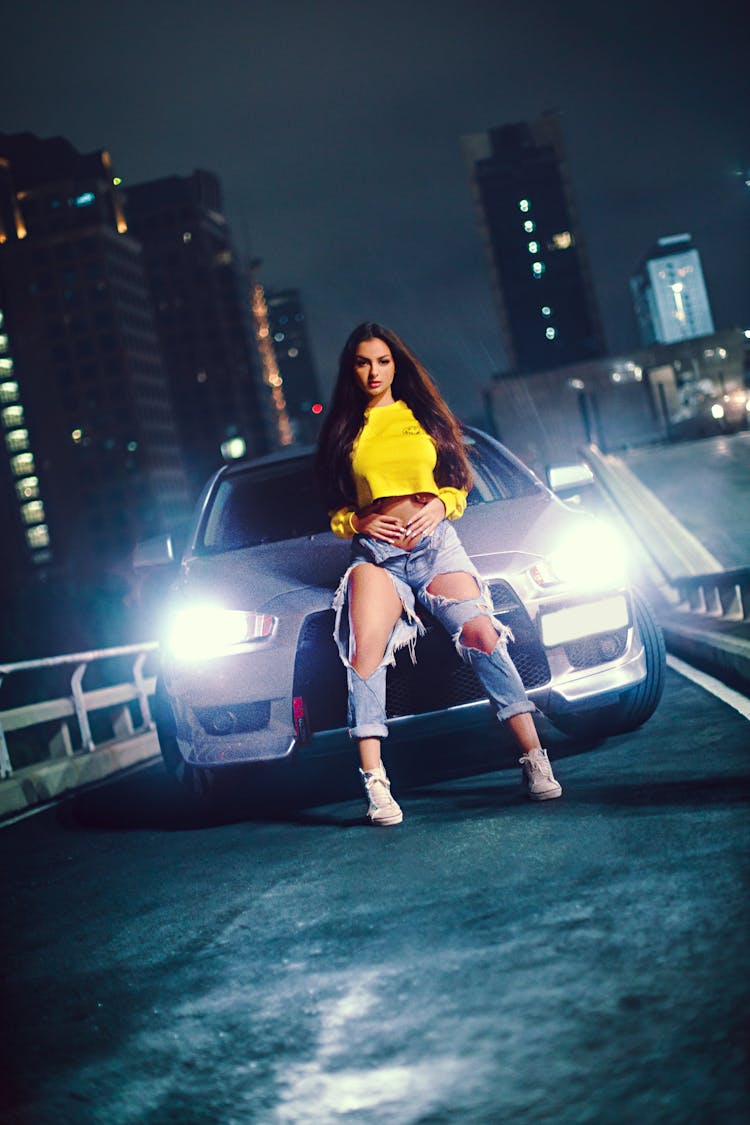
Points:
(400, 507)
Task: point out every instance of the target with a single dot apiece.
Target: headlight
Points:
(594, 556)
(200, 631)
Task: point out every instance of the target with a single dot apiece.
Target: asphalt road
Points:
(490, 960)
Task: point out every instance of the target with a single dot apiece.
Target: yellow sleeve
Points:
(454, 500)
(341, 523)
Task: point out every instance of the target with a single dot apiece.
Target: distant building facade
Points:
(288, 328)
(666, 392)
(89, 454)
(203, 320)
(669, 293)
(539, 265)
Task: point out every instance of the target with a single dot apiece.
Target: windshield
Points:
(269, 503)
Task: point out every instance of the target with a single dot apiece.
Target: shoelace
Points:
(371, 783)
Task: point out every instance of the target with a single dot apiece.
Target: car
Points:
(249, 669)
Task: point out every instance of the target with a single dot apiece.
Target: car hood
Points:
(501, 537)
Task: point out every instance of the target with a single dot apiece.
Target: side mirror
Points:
(158, 551)
(567, 479)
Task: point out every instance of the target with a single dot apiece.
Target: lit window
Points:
(16, 440)
(3, 342)
(28, 488)
(546, 310)
(22, 464)
(132, 446)
(550, 333)
(187, 236)
(563, 240)
(6, 366)
(33, 512)
(38, 536)
(2, 318)
(538, 269)
(8, 392)
(201, 377)
(84, 200)
(77, 436)
(12, 416)
(529, 226)
(533, 248)
(523, 205)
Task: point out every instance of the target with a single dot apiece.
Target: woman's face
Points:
(374, 369)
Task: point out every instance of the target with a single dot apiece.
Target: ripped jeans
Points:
(411, 573)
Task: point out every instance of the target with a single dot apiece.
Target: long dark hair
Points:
(414, 386)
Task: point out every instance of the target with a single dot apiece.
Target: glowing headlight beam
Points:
(593, 557)
(203, 631)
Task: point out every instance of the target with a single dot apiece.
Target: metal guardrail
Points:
(692, 578)
(79, 703)
(721, 594)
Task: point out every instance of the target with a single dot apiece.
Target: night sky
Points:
(336, 128)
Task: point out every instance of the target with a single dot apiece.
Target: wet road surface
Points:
(490, 960)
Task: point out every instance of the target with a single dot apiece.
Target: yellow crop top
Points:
(393, 456)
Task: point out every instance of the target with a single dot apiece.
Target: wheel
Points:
(638, 704)
(197, 781)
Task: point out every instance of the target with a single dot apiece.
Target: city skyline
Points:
(338, 141)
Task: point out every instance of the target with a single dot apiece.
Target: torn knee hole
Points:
(479, 634)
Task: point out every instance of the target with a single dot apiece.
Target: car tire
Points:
(192, 779)
(638, 704)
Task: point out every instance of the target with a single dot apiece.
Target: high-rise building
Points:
(288, 329)
(89, 458)
(539, 265)
(669, 293)
(203, 320)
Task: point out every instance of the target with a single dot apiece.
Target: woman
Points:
(393, 466)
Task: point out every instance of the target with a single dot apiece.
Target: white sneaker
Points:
(537, 776)
(383, 810)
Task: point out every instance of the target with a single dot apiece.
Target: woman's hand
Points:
(388, 529)
(425, 522)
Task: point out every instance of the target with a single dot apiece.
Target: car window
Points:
(496, 477)
(269, 503)
(264, 505)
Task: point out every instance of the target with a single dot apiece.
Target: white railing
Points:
(79, 703)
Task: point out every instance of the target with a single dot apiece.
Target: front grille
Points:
(439, 679)
(590, 651)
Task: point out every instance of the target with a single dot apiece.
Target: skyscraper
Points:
(203, 319)
(539, 266)
(669, 293)
(288, 328)
(89, 461)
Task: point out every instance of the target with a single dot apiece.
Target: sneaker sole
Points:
(386, 822)
(548, 795)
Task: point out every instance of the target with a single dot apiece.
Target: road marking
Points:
(726, 694)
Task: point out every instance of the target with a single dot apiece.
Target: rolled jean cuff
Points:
(523, 707)
(369, 730)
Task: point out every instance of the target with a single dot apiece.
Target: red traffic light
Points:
(317, 408)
